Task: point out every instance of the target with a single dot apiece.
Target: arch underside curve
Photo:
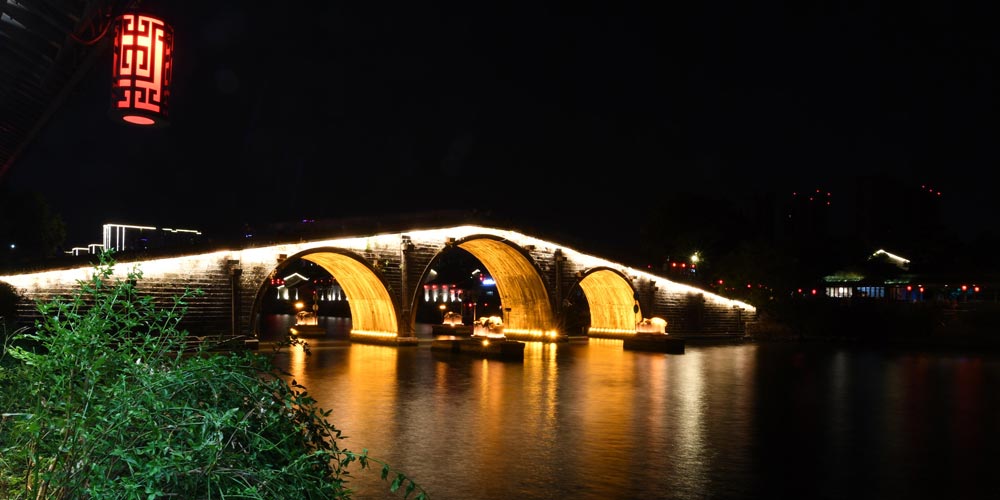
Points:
(520, 288)
(372, 310)
(612, 304)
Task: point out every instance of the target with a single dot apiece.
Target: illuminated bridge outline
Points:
(382, 276)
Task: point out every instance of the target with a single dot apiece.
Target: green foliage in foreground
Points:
(109, 405)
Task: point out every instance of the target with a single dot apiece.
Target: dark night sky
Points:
(330, 109)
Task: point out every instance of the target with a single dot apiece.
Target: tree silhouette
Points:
(30, 229)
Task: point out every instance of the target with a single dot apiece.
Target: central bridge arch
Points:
(519, 285)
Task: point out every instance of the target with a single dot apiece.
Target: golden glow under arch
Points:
(372, 310)
(520, 287)
(611, 299)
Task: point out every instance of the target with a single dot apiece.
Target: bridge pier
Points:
(386, 340)
(653, 342)
(490, 349)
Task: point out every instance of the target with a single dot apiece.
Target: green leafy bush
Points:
(115, 403)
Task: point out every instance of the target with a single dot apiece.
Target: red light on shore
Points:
(143, 65)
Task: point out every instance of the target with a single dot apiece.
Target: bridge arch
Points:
(612, 301)
(528, 308)
(374, 311)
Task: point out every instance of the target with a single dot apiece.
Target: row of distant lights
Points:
(315, 281)
(721, 283)
(819, 194)
(925, 187)
(909, 288)
(816, 196)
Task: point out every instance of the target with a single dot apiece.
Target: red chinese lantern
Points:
(141, 76)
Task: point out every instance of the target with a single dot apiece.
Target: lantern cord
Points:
(109, 20)
(104, 31)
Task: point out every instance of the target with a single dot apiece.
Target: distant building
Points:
(474, 297)
(127, 237)
(886, 276)
(124, 237)
(298, 287)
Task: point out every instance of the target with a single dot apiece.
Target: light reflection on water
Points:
(590, 420)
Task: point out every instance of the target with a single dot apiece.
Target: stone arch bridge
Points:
(382, 276)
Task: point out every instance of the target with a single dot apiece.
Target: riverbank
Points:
(970, 326)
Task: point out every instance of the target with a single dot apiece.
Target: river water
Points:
(589, 420)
